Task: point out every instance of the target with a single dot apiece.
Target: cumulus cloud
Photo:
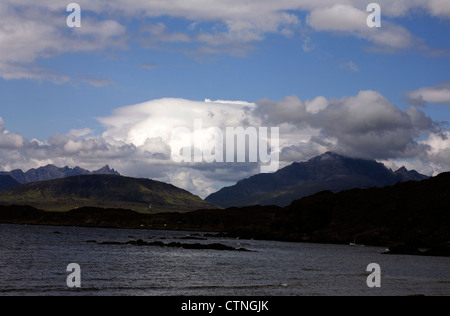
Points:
(158, 118)
(9, 141)
(137, 140)
(367, 125)
(439, 94)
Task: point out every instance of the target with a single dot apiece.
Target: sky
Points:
(113, 90)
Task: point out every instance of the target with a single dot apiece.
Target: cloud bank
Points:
(33, 30)
(137, 138)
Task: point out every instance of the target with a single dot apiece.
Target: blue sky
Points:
(60, 83)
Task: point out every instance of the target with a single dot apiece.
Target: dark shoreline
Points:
(205, 221)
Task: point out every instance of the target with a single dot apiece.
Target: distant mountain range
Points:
(62, 189)
(51, 172)
(105, 191)
(328, 172)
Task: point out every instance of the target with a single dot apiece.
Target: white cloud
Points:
(439, 8)
(32, 31)
(158, 118)
(338, 18)
(391, 36)
(193, 181)
(9, 141)
(347, 19)
(317, 105)
(439, 94)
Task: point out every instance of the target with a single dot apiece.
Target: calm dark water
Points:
(33, 261)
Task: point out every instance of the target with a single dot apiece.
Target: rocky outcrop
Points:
(141, 243)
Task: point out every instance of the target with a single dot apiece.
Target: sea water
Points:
(34, 261)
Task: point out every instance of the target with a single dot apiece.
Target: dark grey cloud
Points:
(367, 125)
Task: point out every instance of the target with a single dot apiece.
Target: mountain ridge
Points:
(51, 172)
(328, 172)
(106, 191)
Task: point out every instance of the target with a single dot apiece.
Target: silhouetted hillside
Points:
(407, 217)
(415, 213)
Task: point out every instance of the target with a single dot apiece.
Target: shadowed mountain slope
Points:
(329, 172)
(106, 191)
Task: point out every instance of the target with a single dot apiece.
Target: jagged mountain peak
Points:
(409, 175)
(106, 170)
(51, 172)
(402, 170)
